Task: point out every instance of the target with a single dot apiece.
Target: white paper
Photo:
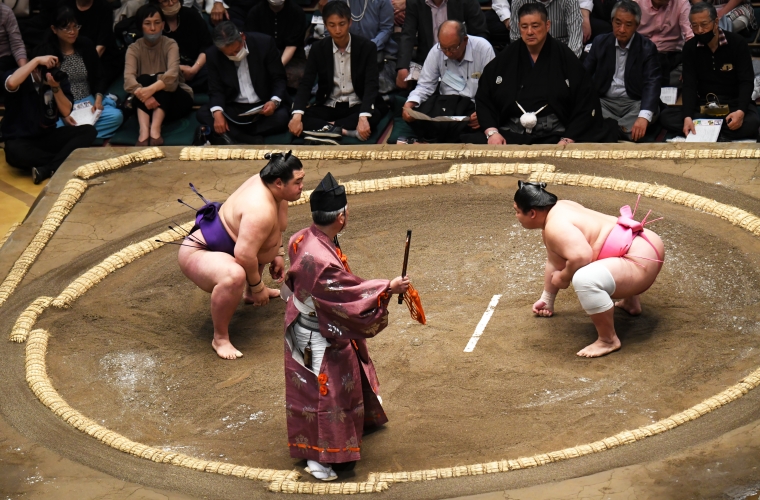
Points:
(414, 72)
(669, 95)
(708, 130)
(317, 19)
(253, 111)
(422, 116)
(83, 115)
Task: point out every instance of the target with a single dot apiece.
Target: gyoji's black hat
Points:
(329, 196)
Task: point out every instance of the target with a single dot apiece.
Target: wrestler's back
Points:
(594, 225)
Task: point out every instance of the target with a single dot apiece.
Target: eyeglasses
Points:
(71, 29)
(449, 50)
(706, 25)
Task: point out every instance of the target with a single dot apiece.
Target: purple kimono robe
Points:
(327, 414)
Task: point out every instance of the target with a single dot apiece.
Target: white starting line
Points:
(482, 324)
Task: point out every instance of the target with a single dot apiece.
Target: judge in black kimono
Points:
(537, 92)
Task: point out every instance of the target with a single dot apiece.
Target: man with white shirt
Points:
(626, 72)
(245, 72)
(345, 69)
(456, 61)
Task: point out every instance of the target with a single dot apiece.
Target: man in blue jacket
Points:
(626, 72)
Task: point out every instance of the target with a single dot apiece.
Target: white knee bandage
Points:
(594, 285)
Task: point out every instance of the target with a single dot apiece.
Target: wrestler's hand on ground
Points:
(540, 308)
(220, 123)
(405, 114)
(688, 127)
(295, 126)
(735, 120)
(639, 128)
(363, 129)
(277, 269)
(558, 281)
(399, 285)
(258, 299)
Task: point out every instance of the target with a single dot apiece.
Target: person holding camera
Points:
(36, 96)
(153, 75)
(79, 59)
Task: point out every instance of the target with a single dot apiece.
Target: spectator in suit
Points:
(715, 62)
(347, 100)
(245, 72)
(284, 21)
(12, 50)
(666, 23)
(626, 72)
(79, 59)
(423, 18)
(185, 26)
(373, 20)
(153, 76)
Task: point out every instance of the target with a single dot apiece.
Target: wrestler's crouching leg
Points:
(594, 285)
(631, 305)
(225, 298)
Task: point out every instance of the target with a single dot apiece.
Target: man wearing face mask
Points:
(245, 72)
(284, 21)
(716, 64)
(457, 61)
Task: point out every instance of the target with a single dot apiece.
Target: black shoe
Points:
(320, 141)
(220, 139)
(200, 138)
(326, 131)
(39, 174)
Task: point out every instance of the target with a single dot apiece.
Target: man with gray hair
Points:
(448, 84)
(626, 72)
(247, 88)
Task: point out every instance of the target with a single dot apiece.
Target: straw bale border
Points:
(8, 233)
(285, 481)
(99, 167)
(212, 154)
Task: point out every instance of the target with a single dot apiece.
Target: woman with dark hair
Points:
(185, 26)
(603, 257)
(96, 20)
(79, 60)
(153, 75)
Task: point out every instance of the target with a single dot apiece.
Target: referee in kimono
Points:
(331, 388)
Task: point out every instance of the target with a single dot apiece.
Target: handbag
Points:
(19, 7)
(714, 108)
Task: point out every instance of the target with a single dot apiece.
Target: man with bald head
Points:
(456, 61)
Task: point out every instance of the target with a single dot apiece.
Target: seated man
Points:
(457, 61)
(604, 258)
(284, 21)
(719, 63)
(624, 67)
(245, 71)
(666, 23)
(565, 22)
(231, 243)
(423, 18)
(12, 50)
(347, 101)
(34, 101)
(537, 92)
(373, 20)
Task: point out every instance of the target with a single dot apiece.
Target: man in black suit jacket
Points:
(626, 72)
(421, 29)
(347, 100)
(245, 72)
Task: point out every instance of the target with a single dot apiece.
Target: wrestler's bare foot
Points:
(631, 305)
(225, 349)
(600, 348)
(248, 297)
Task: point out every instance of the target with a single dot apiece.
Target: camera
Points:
(57, 73)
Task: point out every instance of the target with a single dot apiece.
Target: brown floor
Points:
(139, 359)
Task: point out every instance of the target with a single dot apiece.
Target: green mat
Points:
(176, 133)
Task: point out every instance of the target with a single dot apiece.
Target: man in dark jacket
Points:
(421, 29)
(245, 72)
(626, 72)
(347, 100)
(717, 66)
(537, 92)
